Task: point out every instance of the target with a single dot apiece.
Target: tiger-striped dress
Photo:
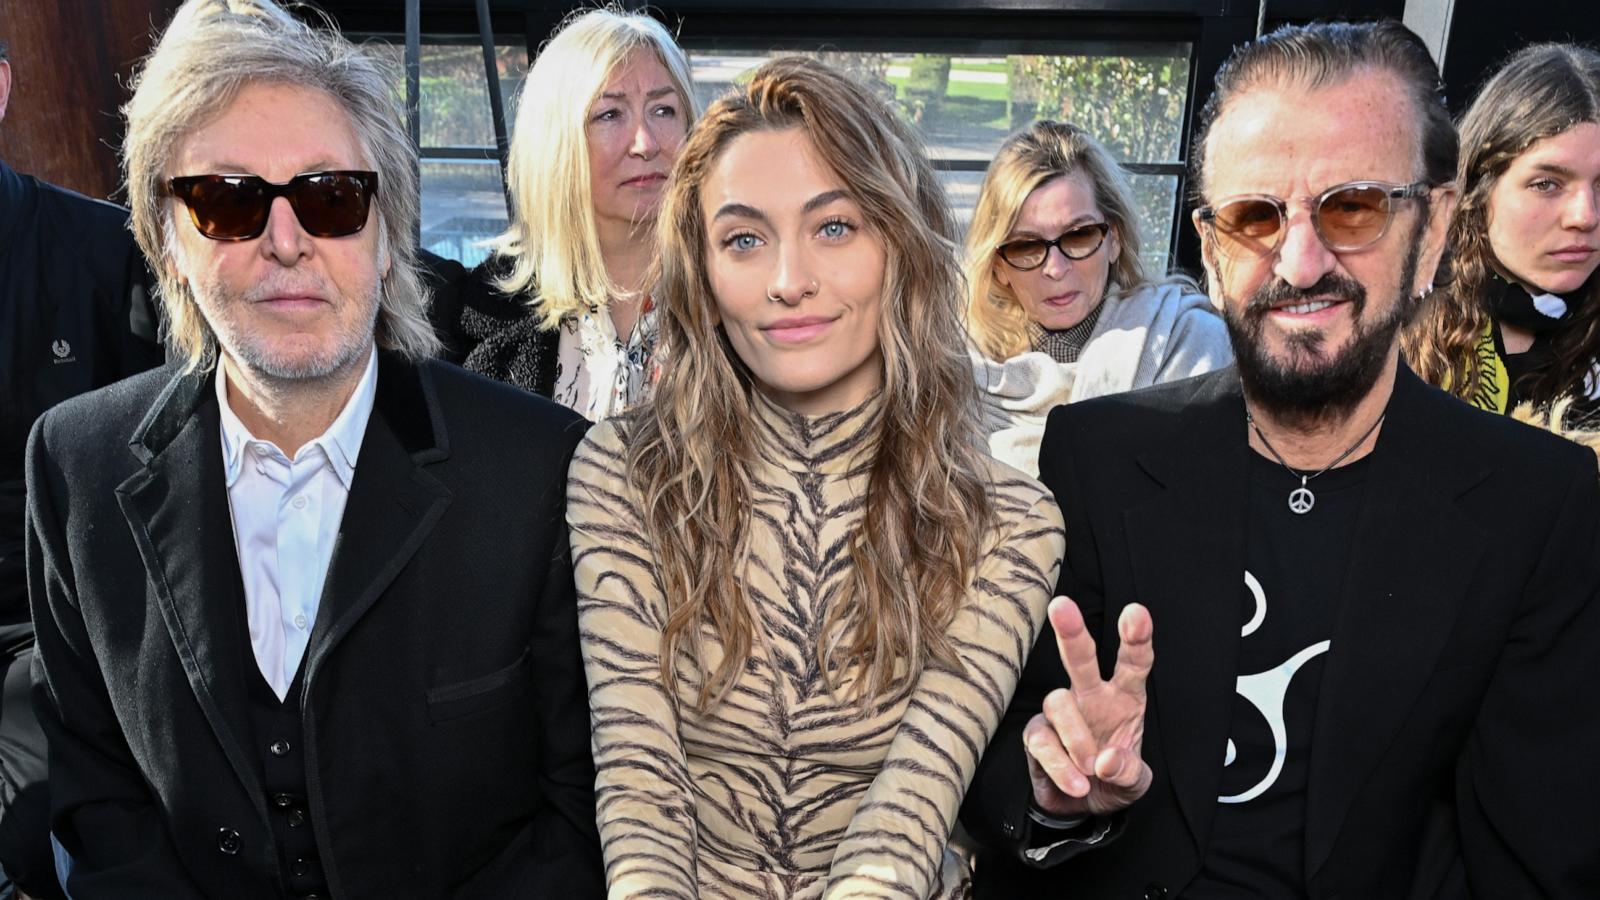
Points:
(784, 790)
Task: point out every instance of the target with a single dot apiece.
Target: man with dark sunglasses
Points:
(1331, 632)
(75, 314)
(306, 616)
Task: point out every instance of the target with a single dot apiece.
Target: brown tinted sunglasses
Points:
(1347, 218)
(236, 207)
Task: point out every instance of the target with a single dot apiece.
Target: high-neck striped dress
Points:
(785, 790)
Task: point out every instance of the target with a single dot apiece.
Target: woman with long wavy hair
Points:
(1059, 305)
(562, 308)
(1517, 318)
(806, 593)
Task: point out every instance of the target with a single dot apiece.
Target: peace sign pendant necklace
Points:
(1301, 500)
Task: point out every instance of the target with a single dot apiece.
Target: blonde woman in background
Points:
(562, 308)
(805, 592)
(1059, 306)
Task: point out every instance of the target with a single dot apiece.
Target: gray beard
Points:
(350, 348)
(348, 353)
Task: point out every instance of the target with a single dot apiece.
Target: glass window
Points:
(1131, 96)
(463, 198)
(463, 205)
(1156, 197)
(455, 94)
(965, 106)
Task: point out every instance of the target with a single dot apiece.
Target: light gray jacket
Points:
(1159, 333)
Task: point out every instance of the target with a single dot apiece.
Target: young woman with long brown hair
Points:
(806, 593)
(1517, 318)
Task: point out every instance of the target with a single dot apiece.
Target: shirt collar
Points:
(340, 444)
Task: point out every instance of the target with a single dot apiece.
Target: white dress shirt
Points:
(286, 517)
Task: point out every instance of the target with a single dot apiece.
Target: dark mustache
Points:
(1332, 284)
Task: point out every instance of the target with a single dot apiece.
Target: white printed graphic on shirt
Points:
(1265, 691)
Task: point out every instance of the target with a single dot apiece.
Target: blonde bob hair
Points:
(553, 242)
(691, 452)
(211, 51)
(1042, 152)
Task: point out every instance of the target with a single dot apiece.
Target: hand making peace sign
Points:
(1084, 748)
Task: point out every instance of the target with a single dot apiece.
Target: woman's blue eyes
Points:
(831, 230)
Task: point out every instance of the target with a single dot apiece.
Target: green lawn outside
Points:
(979, 67)
(968, 103)
(961, 65)
(974, 111)
(975, 89)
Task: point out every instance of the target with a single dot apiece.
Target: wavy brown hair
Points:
(1540, 92)
(691, 451)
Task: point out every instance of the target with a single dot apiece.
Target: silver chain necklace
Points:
(1301, 500)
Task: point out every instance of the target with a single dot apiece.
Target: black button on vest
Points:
(278, 743)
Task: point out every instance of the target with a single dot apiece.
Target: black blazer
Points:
(75, 314)
(445, 718)
(1456, 725)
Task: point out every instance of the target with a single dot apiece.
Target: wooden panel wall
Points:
(70, 62)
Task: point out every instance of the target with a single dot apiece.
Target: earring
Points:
(810, 291)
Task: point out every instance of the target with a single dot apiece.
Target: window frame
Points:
(965, 27)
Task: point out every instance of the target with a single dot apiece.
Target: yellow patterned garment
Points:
(783, 790)
(1494, 383)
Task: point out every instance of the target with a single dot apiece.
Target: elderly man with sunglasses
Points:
(1331, 632)
(306, 622)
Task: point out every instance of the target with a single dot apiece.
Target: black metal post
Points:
(1218, 36)
(497, 108)
(414, 90)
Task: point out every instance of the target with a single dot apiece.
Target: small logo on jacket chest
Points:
(63, 351)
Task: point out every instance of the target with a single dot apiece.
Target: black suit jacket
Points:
(445, 717)
(1456, 724)
(75, 314)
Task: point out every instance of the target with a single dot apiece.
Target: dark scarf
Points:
(1502, 375)
(1064, 346)
(1512, 304)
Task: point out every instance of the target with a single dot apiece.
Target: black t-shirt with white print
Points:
(1294, 572)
